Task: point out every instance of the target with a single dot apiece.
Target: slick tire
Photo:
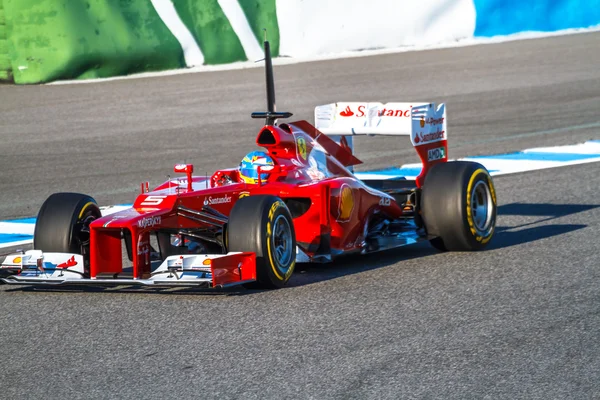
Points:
(63, 223)
(264, 225)
(458, 205)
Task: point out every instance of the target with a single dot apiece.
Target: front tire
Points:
(459, 206)
(263, 225)
(63, 221)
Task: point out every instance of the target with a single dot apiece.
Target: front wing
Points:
(204, 270)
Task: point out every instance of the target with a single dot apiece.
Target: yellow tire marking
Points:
(271, 260)
(290, 270)
(83, 209)
(481, 239)
(274, 207)
(492, 189)
(272, 211)
(493, 192)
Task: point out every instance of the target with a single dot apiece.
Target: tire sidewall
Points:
(273, 267)
(250, 229)
(57, 220)
(477, 238)
(446, 205)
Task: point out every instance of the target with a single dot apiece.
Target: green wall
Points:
(46, 40)
(5, 68)
(64, 39)
(262, 14)
(214, 34)
(211, 29)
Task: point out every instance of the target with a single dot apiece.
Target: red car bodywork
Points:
(331, 208)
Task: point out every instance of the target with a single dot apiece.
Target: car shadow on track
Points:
(536, 214)
(505, 236)
(307, 274)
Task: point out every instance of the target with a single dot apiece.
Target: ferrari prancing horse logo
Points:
(301, 148)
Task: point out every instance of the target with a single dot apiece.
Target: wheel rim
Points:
(482, 206)
(282, 243)
(82, 228)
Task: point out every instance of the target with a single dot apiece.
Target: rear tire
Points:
(63, 223)
(264, 225)
(459, 206)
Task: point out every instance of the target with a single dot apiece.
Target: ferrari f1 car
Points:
(303, 204)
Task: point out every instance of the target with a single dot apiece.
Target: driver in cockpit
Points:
(247, 170)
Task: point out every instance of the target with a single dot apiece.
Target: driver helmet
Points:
(251, 162)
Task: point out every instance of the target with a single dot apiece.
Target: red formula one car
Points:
(297, 201)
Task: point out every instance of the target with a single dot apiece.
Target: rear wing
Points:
(425, 123)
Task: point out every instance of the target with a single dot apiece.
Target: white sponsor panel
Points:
(428, 124)
(365, 118)
(43, 263)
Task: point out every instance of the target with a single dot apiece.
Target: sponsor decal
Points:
(346, 204)
(149, 222)
(385, 201)
(436, 154)
(274, 207)
(434, 121)
(17, 260)
(244, 194)
(211, 201)
(347, 112)
(421, 137)
(393, 113)
(301, 142)
(69, 263)
(385, 112)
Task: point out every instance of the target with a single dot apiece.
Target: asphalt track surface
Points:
(520, 320)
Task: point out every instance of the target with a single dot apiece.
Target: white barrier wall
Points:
(317, 27)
